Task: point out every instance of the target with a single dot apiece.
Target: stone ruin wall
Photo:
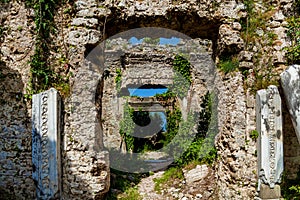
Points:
(15, 122)
(149, 64)
(236, 169)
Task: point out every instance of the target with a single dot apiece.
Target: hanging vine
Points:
(43, 75)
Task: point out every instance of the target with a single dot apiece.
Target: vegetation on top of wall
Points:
(149, 40)
(255, 33)
(255, 20)
(43, 75)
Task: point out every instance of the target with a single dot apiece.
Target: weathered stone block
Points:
(290, 80)
(46, 144)
(196, 174)
(270, 145)
(270, 193)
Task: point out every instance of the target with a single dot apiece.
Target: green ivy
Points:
(293, 51)
(127, 127)
(182, 76)
(42, 73)
(118, 79)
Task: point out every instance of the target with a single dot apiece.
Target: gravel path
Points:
(146, 187)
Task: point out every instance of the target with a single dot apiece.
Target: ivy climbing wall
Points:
(247, 39)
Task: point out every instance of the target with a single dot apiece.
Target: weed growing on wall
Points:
(293, 51)
(228, 64)
(127, 127)
(182, 76)
(42, 73)
(118, 79)
(255, 33)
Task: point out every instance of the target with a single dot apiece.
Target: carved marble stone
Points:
(270, 143)
(46, 144)
(290, 80)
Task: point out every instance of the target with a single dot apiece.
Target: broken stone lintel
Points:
(290, 81)
(270, 140)
(46, 144)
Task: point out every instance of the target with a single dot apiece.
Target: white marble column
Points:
(290, 80)
(270, 142)
(46, 144)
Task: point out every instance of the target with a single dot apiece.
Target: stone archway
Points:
(89, 116)
(202, 24)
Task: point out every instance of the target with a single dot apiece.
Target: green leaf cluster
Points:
(182, 76)
(254, 135)
(228, 64)
(152, 41)
(290, 188)
(202, 148)
(42, 73)
(293, 51)
(118, 79)
(127, 127)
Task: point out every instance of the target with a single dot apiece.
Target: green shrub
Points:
(229, 64)
(202, 149)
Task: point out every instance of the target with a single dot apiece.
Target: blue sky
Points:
(146, 92)
(150, 93)
(171, 41)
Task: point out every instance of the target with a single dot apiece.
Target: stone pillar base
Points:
(266, 193)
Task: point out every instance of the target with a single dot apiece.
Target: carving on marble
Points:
(46, 144)
(270, 143)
